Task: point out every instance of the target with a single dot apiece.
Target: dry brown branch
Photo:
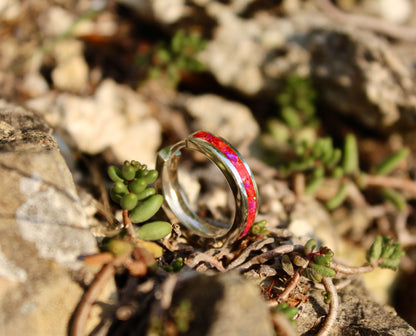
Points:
(90, 296)
(339, 268)
(290, 287)
(204, 257)
(333, 307)
(128, 224)
(244, 255)
(262, 258)
(390, 182)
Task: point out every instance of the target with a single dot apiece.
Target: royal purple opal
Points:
(242, 171)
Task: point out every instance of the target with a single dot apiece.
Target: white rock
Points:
(397, 11)
(71, 72)
(115, 118)
(230, 120)
(71, 75)
(164, 11)
(234, 55)
(139, 141)
(57, 21)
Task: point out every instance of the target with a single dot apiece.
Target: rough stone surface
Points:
(224, 304)
(115, 118)
(359, 314)
(44, 229)
(215, 114)
(365, 79)
(358, 73)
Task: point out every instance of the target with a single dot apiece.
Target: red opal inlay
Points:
(242, 171)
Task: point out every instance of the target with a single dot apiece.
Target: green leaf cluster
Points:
(259, 228)
(177, 56)
(320, 160)
(131, 192)
(318, 262)
(385, 253)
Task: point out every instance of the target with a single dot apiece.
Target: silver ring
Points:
(236, 172)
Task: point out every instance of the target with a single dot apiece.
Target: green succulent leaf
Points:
(119, 188)
(390, 264)
(147, 209)
(312, 274)
(115, 197)
(151, 176)
(128, 201)
(395, 198)
(128, 171)
(374, 252)
(143, 195)
(339, 197)
(114, 174)
(138, 185)
(287, 265)
(323, 270)
(314, 184)
(154, 230)
(310, 246)
(391, 163)
(321, 260)
(350, 161)
(299, 261)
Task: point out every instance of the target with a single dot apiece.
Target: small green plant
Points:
(139, 202)
(321, 160)
(172, 59)
(385, 253)
(259, 228)
(297, 103)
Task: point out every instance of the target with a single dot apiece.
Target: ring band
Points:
(237, 174)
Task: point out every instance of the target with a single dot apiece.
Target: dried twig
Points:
(367, 22)
(128, 224)
(290, 287)
(90, 296)
(257, 245)
(390, 182)
(333, 307)
(262, 258)
(339, 268)
(204, 257)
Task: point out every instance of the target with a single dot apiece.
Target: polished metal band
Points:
(236, 172)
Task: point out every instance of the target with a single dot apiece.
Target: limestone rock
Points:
(115, 118)
(215, 114)
(359, 314)
(44, 229)
(224, 304)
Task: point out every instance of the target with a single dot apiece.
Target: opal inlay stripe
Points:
(242, 171)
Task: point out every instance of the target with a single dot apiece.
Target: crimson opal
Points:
(237, 162)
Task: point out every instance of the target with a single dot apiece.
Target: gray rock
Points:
(359, 314)
(44, 229)
(224, 304)
(365, 79)
(223, 117)
(358, 73)
(115, 118)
